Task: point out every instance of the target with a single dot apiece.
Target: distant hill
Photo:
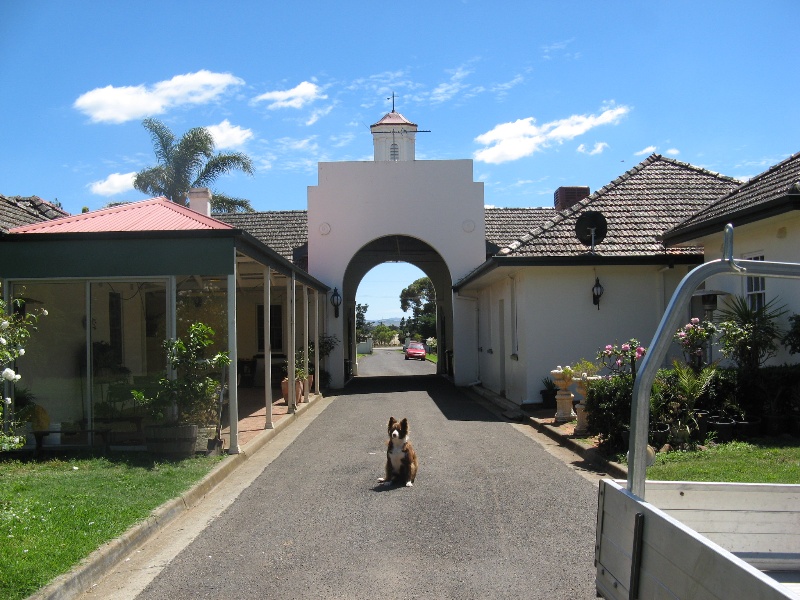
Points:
(393, 321)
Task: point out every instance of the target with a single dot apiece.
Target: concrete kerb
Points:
(514, 412)
(101, 561)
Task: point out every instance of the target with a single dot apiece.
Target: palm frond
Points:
(163, 139)
(220, 164)
(221, 204)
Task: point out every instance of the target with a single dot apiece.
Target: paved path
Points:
(492, 514)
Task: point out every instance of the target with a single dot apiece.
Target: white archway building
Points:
(395, 196)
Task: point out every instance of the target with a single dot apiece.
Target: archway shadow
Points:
(454, 404)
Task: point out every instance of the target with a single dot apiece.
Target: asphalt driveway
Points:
(492, 514)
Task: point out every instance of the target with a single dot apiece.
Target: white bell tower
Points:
(393, 137)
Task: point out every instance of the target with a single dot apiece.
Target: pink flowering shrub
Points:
(620, 360)
(693, 339)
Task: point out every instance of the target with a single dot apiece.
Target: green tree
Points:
(383, 334)
(188, 163)
(363, 328)
(420, 299)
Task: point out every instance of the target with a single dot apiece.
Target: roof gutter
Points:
(772, 208)
(496, 262)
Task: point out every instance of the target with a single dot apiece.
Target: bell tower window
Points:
(394, 151)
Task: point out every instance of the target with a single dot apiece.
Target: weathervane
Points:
(392, 99)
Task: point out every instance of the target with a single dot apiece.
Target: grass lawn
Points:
(758, 461)
(55, 512)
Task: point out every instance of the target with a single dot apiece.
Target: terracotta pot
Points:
(298, 385)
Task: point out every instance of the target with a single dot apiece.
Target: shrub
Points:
(749, 335)
(608, 404)
(191, 397)
(722, 393)
(792, 338)
(693, 339)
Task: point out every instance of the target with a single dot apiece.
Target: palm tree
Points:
(188, 163)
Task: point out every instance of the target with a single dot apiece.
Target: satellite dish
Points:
(591, 228)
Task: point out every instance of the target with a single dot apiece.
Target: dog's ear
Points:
(404, 427)
(392, 421)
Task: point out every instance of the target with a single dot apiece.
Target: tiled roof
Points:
(779, 184)
(505, 225)
(156, 214)
(286, 231)
(16, 211)
(283, 230)
(639, 207)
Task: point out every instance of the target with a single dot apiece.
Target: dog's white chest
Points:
(396, 454)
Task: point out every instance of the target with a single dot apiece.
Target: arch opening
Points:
(399, 249)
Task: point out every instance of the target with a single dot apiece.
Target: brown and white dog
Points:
(401, 460)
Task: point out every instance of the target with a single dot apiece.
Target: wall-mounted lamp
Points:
(597, 291)
(336, 301)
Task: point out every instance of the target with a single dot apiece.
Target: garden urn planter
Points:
(564, 397)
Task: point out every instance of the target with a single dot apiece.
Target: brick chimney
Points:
(565, 197)
(200, 200)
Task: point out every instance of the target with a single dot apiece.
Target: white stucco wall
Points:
(778, 240)
(357, 202)
(557, 324)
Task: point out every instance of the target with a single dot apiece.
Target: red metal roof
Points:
(394, 118)
(156, 214)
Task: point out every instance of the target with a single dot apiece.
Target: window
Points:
(275, 327)
(394, 151)
(755, 288)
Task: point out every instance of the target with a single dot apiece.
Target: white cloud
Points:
(228, 136)
(557, 47)
(673, 152)
(308, 144)
(503, 88)
(120, 104)
(445, 91)
(318, 113)
(598, 148)
(520, 138)
(114, 184)
(297, 97)
(643, 151)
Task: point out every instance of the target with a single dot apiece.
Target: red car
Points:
(415, 350)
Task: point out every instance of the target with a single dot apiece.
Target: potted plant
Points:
(299, 377)
(180, 403)
(548, 392)
(326, 345)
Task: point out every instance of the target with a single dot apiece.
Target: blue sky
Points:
(539, 94)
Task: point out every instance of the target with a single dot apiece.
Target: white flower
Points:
(17, 377)
(4, 325)
(8, 374)
(3, 341)
(22, 351)
(44, 312)
(7, 401)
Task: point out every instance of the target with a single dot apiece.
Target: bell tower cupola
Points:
(393, 137)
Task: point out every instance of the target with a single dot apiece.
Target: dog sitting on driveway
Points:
(401, 460)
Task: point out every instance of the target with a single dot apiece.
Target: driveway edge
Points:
(95, 566)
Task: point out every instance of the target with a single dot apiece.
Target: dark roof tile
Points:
(16, 211)
(639, 207)
(282, 230)
(774, 184)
